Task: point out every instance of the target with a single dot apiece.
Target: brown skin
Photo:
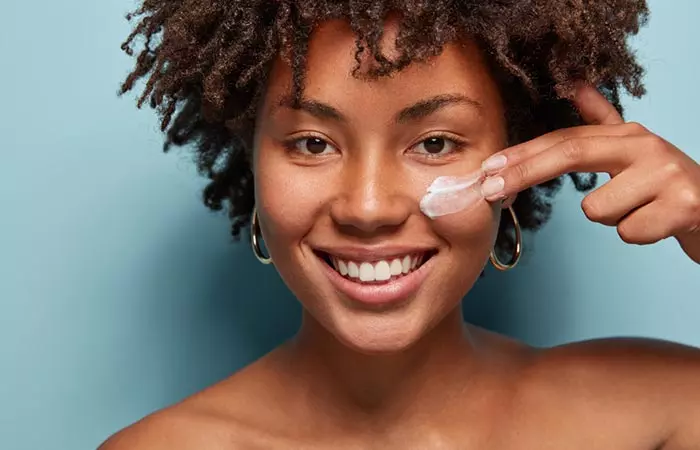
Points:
(654, 192)
(412, 376)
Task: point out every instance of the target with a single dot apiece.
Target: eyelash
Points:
(458, 143)
(291, 144)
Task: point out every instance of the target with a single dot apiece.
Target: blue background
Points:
(120, 293)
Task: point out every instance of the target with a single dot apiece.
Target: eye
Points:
(310, 145)
(435, 146)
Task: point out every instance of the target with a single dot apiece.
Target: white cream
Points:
(449, 195)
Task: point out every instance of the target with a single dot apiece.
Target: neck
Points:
(380, 387)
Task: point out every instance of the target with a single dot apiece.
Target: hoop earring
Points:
(254, 240)
(518, 247)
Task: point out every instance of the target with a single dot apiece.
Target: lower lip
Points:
(378, 294)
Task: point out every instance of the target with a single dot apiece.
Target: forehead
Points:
(331, 59)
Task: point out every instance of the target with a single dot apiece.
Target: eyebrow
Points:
(417, 111)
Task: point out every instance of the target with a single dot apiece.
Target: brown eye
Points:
(312, 146)
(437, 146)
(315, 145)
(434, 145)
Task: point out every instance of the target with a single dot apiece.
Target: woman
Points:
(325, 122)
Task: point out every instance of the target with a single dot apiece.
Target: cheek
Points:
(470, 236)
(471, 229)
(288, 198)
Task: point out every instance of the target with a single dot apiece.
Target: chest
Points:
(540, 430)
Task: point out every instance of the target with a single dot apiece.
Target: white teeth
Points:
(353, 271)
(379, 271)
(406, 264)
(382, 271)
(396, 268)
(366, 272)
(342, 267)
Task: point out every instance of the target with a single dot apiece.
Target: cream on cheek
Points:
(451, 194)
(459, 214)
(451, 197)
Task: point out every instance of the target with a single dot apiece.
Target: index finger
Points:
(528, 149)
(609, 154)
(594, 108)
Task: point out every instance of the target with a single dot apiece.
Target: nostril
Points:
(370, 216)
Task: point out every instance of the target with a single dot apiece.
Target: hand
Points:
(654, 190)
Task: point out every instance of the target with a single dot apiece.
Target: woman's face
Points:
(338, 185)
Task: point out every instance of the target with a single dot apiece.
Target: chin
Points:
(379, 335)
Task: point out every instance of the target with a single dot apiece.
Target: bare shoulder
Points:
(222, 416)
(175, 427)
(637, 364)
(647, 385)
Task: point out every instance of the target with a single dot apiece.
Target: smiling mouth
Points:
(377, 271)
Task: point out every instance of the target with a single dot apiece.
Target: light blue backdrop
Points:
(120, 293)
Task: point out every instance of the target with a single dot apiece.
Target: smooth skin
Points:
(347, 171)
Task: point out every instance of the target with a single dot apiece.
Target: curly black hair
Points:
(205, 64)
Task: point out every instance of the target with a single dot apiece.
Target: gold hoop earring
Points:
(255, 241)
(518, 247)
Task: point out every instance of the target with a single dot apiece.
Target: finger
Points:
(515, 154)
(594, 108)
(591, 154)
(648, 224)
(631, 189)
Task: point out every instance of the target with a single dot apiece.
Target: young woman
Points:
(325, 122)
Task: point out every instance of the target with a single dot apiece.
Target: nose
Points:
(372, 198)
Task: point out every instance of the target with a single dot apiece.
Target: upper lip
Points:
(377, 253)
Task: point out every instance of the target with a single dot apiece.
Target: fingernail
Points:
(492, 186)
(495, 162)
